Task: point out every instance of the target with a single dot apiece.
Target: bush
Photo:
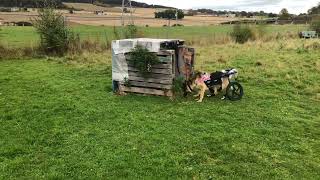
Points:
(315, 24)
(54, 34)
(142, 59)
(177, 25)
(178, 87)
(128, 32)
(242, 34)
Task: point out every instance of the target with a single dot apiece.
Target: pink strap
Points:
(203, 78)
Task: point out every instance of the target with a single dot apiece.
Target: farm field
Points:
(26, 36)
(59, 118)
(84, 15)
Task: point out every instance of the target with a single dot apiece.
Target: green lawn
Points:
(27, 36)
(60, 120)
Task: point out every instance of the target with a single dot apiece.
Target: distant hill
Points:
(116, 3)
(25, 3)
(37, 3)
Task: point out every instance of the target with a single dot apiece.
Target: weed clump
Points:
(178, 87)
(303, 49)
(242, 34)
(315, 24)
(18, 53)
(259, 63)
(127, 32)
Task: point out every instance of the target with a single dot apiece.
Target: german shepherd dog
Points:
(215, 82)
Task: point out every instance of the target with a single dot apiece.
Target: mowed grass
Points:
(61, 120)
(27, 36)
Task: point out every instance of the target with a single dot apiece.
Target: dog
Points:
(215, 82)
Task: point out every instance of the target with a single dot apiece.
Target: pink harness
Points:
(204, 78)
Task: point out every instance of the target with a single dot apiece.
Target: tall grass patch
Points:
(315, 24)
(242, 33)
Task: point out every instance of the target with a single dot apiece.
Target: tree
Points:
(243, 14)
(54, 34)
(284, 14)
(314, 10)
(249, 15)
(272, 15)
(170, 14)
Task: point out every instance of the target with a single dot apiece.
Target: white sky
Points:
(294, 6)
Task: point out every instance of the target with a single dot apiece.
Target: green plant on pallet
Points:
(143, 60)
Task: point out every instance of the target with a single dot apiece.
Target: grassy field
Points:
(59, 118)
(26, 36)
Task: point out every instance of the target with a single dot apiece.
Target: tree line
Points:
(315, 10)
(37, 3)
(284, 14)
(237, 13)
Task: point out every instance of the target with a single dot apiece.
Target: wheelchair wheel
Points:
(234, 91)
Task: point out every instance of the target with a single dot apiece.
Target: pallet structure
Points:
(176, 60)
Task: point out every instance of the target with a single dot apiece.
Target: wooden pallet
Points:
(159, 82)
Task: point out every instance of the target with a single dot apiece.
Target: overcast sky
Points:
(294, 6)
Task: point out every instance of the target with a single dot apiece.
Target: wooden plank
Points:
(165, 59)
(162, 59)
(150, 85)
(156, 71)
(151, 80)
(146, 91)
(155, 76)
(174, 64)
(166, 53)
(157, 66)
(162, 66)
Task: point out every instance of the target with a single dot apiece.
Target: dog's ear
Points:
(197, 74)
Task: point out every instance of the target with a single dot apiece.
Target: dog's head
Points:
(190, 84)
(232, 73)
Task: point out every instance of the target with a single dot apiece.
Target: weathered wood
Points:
(155, 76)
(162, 59)
(155, 71)
(165, 59)
(146, 91)
(156, 66)
(185, 62)
(150, 85)
(158, 82)
(166, 53)
(151, 80)
(162, 66)
(164, 56)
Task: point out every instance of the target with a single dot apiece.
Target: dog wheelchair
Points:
(234, 90)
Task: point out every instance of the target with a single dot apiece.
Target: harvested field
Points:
(84, 15)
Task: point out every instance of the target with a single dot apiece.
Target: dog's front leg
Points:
(215, 89)
(197, 95)
(202, 92)
(225, 84)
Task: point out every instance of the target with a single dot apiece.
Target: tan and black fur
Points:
(202, 87)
